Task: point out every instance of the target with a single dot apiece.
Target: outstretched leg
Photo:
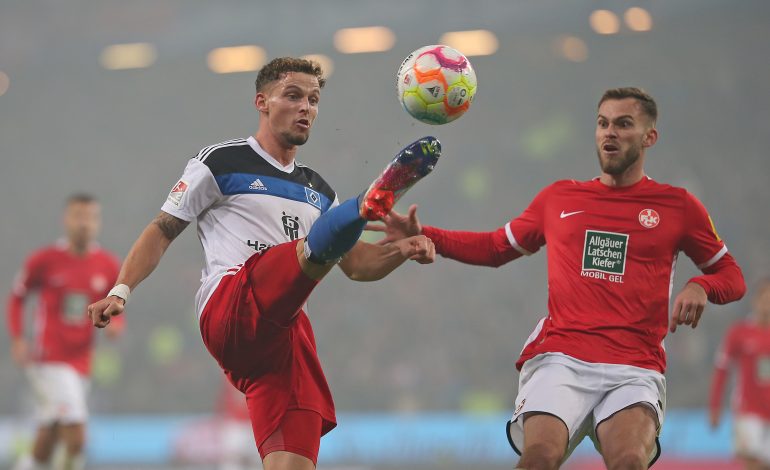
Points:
(336, 231)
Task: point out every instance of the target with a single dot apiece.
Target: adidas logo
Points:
(257, 185)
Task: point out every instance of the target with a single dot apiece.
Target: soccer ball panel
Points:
(432, 91)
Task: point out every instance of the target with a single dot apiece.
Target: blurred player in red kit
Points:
(236, 446)
(746, 348)
(67, 276)
(271, 228)
(594, 365)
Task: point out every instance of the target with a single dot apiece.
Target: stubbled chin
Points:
(297, 138)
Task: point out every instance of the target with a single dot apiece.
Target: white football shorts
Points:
(752, 437)
(583, 394)
(59, 393)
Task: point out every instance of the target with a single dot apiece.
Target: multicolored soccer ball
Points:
(436, 84)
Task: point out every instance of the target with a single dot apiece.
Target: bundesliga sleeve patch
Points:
(177, 192)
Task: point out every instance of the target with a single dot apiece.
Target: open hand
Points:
(398, 226)
(688, 306)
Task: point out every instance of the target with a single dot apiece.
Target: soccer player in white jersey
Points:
(271, 229)
(594, 365)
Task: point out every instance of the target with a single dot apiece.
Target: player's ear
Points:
(650, 137)
(260, 102)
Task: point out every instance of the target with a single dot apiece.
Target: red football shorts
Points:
(254, 326)
(298, 433)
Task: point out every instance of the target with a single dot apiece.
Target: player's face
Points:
(623, 131)
(82, 221)
(291, 104)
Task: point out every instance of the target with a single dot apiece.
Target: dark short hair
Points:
(80, 198)
(649, 106)
(279, 67)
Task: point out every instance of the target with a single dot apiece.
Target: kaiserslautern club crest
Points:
(649, 218)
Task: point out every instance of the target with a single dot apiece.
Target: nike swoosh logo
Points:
(567, 214)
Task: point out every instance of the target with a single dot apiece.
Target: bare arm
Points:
(149, 248)
(139, 263)
(369, 262)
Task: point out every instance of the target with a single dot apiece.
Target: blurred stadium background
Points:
(113, 97)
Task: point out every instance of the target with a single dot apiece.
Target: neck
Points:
(620, 181)
(632, 175)
(78, 249)
(280, 151)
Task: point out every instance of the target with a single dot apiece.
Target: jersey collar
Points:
(269, 158)
(603, 187)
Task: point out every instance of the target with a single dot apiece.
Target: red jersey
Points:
(746, 345)
(611, 259)
(66, 284)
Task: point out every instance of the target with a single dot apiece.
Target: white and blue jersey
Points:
(244, 201)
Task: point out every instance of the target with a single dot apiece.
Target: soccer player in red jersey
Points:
(236, 446)
(594, 365)
(747, 347)
(67, 276)
(271, 228)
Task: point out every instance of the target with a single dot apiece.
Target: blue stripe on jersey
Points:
(248, 183)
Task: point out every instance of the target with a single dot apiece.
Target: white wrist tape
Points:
(122, 291)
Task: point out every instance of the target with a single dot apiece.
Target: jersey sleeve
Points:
(722, 279)
(196, 191)
(29, 278)
(526, 233)
(523, 235)
(478, 248)
(701, 243)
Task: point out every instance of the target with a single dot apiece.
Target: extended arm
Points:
(369, 262)
(479, 248)
(139, 263)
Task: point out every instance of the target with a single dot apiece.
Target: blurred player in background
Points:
(746, 347)
(271, 228)
(236, 447)
(67, 276)
(594, 365)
